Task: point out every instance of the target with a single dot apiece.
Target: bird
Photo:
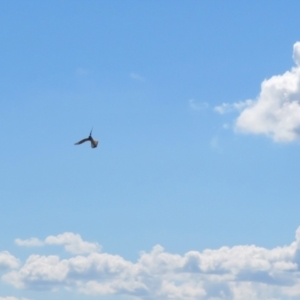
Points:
(94, 143)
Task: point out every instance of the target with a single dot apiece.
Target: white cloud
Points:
(72, 243)
(237, 273)
(197, 105)
(276, 111)
(32, 242)
(8, 261)
(230, 107)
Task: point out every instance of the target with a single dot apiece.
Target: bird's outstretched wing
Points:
(82, 141)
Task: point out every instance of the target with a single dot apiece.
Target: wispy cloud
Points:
(197, 105)
(81, 72)
(136, 77)
(276, 110)
(231, 107)
(215, 144)
(237, 273)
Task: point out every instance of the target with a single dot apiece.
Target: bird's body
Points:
(94, 143)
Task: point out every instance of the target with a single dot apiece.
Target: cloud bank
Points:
(238, 273)
(276, 111)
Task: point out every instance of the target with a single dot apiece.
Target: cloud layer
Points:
(276, 111)
(240, 272)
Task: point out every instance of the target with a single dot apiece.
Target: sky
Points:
(193, 191)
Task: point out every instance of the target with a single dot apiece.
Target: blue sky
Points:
(195, 105)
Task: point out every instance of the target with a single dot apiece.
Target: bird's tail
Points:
(91, 132)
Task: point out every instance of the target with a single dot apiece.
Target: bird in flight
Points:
(94, 143)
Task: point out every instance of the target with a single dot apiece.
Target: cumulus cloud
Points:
(238, 273)
(276, 110)
(8, 261)
(72, 243)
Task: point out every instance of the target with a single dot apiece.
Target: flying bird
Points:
(94, 143)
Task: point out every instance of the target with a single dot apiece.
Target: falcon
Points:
(94, 143)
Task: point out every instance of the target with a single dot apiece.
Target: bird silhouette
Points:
(94, 143)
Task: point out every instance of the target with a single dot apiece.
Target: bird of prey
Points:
(94, 143)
